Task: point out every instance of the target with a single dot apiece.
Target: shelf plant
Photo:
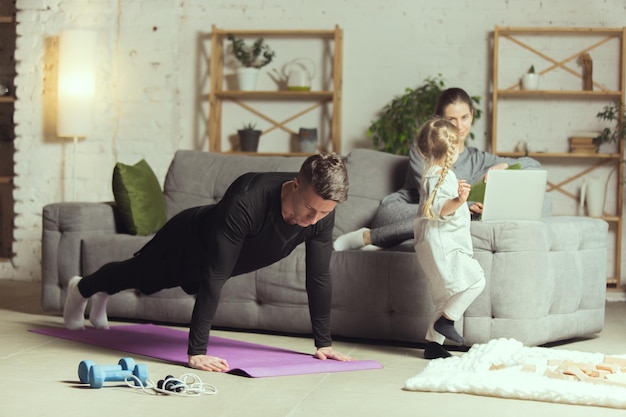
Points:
(614, 113)
(257, 55)
(398, 121)
(530, 80)
(249, 137)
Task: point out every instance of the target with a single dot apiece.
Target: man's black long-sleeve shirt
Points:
(245, 231)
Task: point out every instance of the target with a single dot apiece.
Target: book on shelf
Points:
(585, 134)
(584, 149)
(581, 140)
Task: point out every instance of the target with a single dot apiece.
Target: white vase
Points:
(593, 194)
(530, 81)
(247, 78)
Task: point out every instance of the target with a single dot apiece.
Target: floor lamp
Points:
(76, 88)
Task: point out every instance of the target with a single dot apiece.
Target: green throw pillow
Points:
(139, 198)
(477, 193)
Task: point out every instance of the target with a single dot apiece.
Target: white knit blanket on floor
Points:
(506, 368)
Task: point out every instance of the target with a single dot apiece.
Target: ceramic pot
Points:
(593, 195)
(247, 78)
(530, 81)
(308, 140)
(249, 140)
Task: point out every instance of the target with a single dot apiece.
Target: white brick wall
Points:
(146, 92)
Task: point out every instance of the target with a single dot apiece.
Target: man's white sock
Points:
(98, 312)
(75, 304)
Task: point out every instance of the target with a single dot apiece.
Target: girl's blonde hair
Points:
(436, 141)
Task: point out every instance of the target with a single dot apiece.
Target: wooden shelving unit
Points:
(583, 41)
(253, 101)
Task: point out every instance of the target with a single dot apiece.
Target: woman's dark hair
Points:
(450, 96)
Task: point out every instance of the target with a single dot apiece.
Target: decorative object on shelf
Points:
(526, 147)
(613, 112)
(300, 72)
(4, 90)
(584, 142)
(398, 121)
(521, 146)
(308, 140)
(530, 80)
(587, 63)
(249, 138)
(593, 194)
(247, 78)
(252, 58)
(256, 56)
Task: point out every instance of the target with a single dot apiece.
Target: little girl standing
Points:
(442, 236)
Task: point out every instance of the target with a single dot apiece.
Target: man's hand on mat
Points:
(324, 353)
(208, 363)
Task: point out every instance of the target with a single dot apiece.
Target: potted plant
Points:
(399, 120)
(252, 58)
(530, 80)
(249, 137)
(614, 112)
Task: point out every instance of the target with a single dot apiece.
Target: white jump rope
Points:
(188, 385)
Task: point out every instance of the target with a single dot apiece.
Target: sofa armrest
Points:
(65, 225)
(546, 280)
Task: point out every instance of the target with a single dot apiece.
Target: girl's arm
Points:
(452, 204)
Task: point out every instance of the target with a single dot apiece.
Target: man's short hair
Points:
(328, 176)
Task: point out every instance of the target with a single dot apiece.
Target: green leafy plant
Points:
(256, 56)
(613, 112)
(398, 121)
(531, 70)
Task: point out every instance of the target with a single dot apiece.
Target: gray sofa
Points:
(546, 280)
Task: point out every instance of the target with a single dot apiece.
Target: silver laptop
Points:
(514, 195)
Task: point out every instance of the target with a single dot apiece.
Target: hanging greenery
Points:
(395, 129)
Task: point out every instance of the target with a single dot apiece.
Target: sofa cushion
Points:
(139, 198)
(372, 176)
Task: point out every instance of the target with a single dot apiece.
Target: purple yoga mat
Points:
(248, 359)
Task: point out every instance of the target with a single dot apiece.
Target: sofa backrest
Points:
(372, 176)
(197, 178)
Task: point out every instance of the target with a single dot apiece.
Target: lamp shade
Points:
(76, 83)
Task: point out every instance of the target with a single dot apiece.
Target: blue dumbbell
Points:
(96, 375)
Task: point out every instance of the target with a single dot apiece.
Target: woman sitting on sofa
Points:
(393, 221)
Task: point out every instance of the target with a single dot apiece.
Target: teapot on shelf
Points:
(300, 73)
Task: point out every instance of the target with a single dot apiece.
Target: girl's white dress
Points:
(444, 246)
